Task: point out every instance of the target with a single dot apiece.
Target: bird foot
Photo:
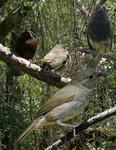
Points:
(69, 126)
(66, 125)
(30, 60)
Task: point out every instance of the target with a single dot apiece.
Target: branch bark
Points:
(32, 69)
(95, 53)
(93, 120)
(100, 2)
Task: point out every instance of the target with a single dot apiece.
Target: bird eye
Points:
(28, 34)
(91, 76)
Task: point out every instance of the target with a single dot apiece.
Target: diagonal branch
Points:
(100, 2)
(13, 18)
(93, 120)
(95, 53)
(83, 9)
(33, 70)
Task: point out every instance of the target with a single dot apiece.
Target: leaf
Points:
(2, 62)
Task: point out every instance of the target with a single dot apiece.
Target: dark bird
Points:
(25, 47)
(57, 58)
(65, 103)
(99, 35)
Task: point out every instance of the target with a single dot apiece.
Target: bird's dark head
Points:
(100, 8)
(99, 29)
(27, 35)
(100, 11)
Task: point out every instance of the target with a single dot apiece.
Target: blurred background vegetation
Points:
(53, 21)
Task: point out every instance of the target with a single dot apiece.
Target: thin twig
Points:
(95, 53)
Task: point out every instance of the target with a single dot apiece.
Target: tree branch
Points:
(95, 53)
(83, 9)
(93, 120)
(100, 2)
(32, 69)
(12, 20)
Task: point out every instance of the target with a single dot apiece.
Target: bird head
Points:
(87, 77)
(83, 74)
(28, 34)
(100, 8)
(61, 47)
(100, 12)
(30, 39)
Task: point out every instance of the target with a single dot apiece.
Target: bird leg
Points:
(65, 124)
(69, 126)
(30, 60)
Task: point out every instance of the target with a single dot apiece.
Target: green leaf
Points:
(2, 62)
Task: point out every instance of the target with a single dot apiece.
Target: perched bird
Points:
(99, 35)
(25, 47)
(65, 103)
(57, 58)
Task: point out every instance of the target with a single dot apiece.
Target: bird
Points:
(99, 32)
(25, 47)
(57, 58)
(66, 103)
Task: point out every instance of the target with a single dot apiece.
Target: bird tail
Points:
(37, 123)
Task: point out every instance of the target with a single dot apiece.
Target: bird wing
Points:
(63, 96)
(58, 62)
(55, 60)
(49, 58)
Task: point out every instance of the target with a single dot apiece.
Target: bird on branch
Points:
(25, 47)
(57, 58)
(66, 103)
(99, 34)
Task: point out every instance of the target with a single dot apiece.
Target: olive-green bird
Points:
(99, 35)
(57, 58)
(66, 103)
